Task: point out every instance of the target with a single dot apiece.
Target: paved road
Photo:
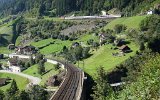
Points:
(34, 80)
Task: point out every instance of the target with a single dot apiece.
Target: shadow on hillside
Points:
(3, 41)
(87, 88)
(4, 35)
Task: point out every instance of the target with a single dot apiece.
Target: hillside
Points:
(53, 8)
(130, 22)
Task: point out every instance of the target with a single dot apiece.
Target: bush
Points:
(120, 28)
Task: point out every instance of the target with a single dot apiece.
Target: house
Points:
(150, 12)
(25, 50)
(3, 81)
(15, 69)
(13, 64)
(19, 50)
(125, 49)
(29, 50)
(119, 42)
(104, 13)
(13, 61)
(102, 38)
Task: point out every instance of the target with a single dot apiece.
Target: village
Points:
(18, 65)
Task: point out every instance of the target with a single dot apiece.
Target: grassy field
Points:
(4, 50)
(58, 44)
(33, 70)
(6, 31)
(130, 22)
(103, 57)
(21, 81)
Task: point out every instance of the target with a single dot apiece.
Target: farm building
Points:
(13, 64)
(125, 49)
(13, 61)
(25, 50)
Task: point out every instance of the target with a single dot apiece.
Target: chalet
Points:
(125, 49)
(3, 81)
(29, 50)
(13, 61)
(102, 38)
(13, 64)
(25, 50)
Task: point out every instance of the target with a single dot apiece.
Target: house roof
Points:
(13, 60)
(2, 81)
(123, 47)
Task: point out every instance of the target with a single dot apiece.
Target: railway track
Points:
(71, 87)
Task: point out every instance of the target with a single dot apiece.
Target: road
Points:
(70, 88)
(33, 80)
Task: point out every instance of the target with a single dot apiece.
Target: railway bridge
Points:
(72, 85)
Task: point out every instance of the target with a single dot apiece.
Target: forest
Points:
(80, 7)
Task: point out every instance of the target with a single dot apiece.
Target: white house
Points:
(150, 12)
(104, 13)
(13, 64)
(14, 68)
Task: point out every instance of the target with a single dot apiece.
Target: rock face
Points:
(76, 28)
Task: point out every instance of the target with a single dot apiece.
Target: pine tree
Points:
(142, 46)
(24, 96)
(1, 95)
(102, 88)
(13, 89)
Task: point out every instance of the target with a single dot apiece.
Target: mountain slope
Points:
(86, 7)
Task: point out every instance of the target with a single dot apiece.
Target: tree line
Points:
(61, 7)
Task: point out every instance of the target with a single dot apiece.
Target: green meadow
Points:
(33, 71)
(130, 22)
(21, 81)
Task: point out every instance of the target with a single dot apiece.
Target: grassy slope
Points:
(59, 44)
(6, 30)
(21, 81)
(130, 22)
(33, 70)
(103, 57)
